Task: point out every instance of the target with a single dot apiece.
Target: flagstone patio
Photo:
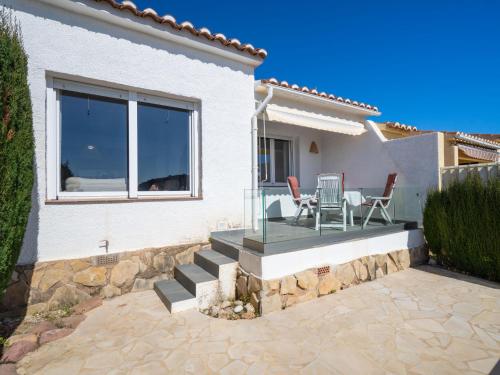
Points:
(418, 321)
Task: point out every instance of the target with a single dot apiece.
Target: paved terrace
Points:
(412, 322)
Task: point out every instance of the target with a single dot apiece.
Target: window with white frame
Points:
(118, 143)
(275, 160)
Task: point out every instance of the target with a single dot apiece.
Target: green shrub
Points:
(462, 226)
(16, 146)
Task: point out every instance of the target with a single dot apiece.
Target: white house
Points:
(147, 133)
(101, 60)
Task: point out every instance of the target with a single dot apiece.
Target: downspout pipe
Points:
(255, 161)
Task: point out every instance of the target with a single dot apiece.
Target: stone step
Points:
(174, 296)
(212, 261)
(191, 276)
(225, 247)
(199, 282)
(220, 266)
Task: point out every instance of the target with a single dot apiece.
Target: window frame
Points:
(133, 97)
(272, 165)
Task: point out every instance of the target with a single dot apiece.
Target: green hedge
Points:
(462, 226)
(16, 146)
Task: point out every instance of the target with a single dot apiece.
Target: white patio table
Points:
(354, 199)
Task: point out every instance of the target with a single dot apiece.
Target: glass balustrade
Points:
(274, 215)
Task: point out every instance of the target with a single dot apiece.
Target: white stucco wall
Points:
(367, 159)
(364, 159)
(69, 45)
(418, 158)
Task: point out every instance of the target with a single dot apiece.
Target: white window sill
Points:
(106, 200)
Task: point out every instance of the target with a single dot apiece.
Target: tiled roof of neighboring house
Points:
(186, 25)
(469, 138)
(490, 137)
(397, 125)
(322, 94)
(485, 139)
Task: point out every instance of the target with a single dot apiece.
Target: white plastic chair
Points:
(331, 198)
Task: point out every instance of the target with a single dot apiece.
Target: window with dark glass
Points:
(94, 147)
(281, 160)
(163, 148)
(274, 160)
(264, 160)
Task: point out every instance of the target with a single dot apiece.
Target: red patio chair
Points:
(300, 202)
(382, 202)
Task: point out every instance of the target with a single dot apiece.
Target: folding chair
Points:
(331, 198)
(300, 202)
(382, 202)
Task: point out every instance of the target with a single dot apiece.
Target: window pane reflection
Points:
(163, 148)
(93, 143)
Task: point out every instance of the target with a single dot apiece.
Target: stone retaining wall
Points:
(272, 295)
(51, 285)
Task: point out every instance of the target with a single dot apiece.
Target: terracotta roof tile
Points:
(397, 125)
(322, 94)
(186, 25)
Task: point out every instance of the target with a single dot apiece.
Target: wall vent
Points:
(323, 270)
(105, 260)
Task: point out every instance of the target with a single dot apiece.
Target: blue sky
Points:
(431, 64)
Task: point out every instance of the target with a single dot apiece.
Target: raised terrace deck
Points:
(289, 255)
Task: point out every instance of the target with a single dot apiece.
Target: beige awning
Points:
(479, 153)
(311, 120)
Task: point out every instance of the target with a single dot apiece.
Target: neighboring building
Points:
(457, 148)
(471, 149)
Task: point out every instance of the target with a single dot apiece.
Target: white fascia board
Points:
(124, 21)
(315, 100)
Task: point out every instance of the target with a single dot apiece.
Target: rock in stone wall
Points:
(49, 285)
(271, 295)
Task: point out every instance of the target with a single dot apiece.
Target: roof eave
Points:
(314, 99)
(183, 38)
(474, 140)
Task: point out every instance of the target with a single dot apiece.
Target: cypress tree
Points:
(462, 226)
(16, 146)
